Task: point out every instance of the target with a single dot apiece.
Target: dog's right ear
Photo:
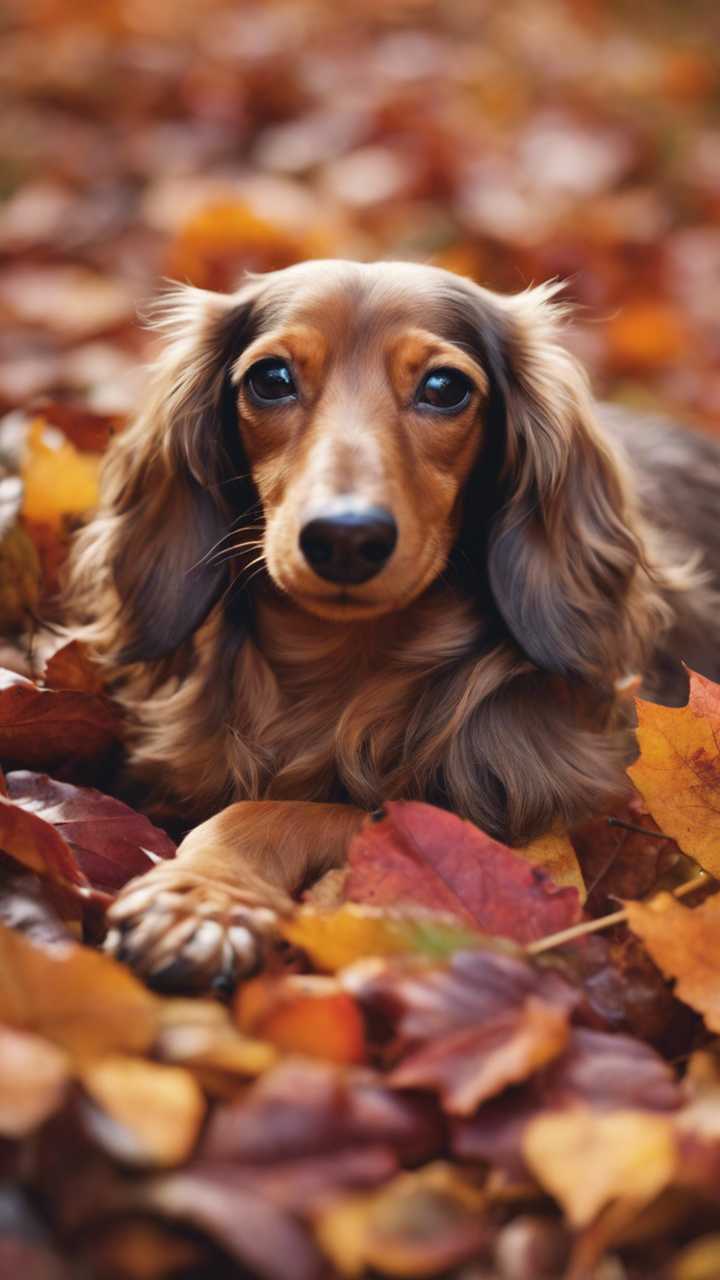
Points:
(144, 572)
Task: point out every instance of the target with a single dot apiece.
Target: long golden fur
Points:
(486, 667)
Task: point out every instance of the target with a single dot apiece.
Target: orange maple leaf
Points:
(678, 772)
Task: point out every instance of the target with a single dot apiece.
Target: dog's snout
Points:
(349, 546)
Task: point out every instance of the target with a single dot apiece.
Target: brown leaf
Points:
(81, 1000)
(419, 854)
(71, 667)
(111, 842)
(46, 729)
(19, 578)
(619, 863)
(471, 1028)
(623, 989)
(88, 431)
(685, 944)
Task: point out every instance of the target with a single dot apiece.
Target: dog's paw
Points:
(185, 932)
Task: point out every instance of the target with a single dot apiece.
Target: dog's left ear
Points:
(566, 563)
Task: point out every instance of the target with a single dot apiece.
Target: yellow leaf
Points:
(587, 1159)
(699, 1260)
(678, 771)
(684, 942)
(148, 1113)
(333, 939)
(57, 481)
(555, 854)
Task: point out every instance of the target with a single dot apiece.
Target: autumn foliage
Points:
(465, 1061)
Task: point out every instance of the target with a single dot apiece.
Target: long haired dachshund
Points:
(371, 538)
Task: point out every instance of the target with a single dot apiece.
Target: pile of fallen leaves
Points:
(469, 1061)
(513, 141)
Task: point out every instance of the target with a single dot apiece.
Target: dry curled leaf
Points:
(419, 854)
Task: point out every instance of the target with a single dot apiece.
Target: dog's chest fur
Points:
(319, 711)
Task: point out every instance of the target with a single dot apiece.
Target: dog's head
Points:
(353, 430)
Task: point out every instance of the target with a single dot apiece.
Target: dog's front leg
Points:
(206, 916)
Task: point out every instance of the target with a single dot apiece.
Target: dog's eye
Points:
(271, 380)
(444, 389)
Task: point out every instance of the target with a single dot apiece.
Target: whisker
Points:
(207, 557)
(228, 552)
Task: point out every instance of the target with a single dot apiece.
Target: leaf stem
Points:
(640, 831)
(605, 922)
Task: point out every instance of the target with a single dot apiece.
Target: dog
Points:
(371, 538)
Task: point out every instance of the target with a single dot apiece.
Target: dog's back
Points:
(677, 478)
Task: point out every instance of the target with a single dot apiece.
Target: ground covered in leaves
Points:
(471, 1062)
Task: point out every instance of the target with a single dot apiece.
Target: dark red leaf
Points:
(71, 667)
(111, 842)
(470, 1028)
(55, 730)
(35, 844)
(420, 854)
(304, 1108)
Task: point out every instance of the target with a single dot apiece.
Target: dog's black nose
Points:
(349, 546)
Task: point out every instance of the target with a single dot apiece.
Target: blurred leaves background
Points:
(511, 141)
